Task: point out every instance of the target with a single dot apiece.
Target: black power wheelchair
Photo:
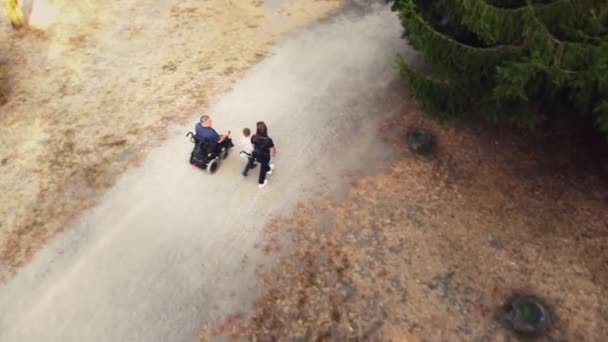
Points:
(206, 155)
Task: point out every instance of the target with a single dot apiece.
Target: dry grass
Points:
(428, 249)
(3, 83)
(93, 91)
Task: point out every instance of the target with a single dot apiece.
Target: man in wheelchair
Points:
(214, 142)
(209, 146)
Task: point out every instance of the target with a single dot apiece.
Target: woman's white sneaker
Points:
(263, 184)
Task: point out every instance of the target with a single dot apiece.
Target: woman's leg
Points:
(263, 170)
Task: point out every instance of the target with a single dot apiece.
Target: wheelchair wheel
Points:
(212, 166)
(224, 154)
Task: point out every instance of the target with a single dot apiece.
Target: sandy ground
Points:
(94, 83)
(169, 247)
(430, 249)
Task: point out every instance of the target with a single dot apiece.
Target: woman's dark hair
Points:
(261, 129)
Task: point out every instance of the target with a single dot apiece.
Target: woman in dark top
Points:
(263, 148)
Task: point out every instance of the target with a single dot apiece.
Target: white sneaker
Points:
(271, 166)
(268, 173)
(264, 184)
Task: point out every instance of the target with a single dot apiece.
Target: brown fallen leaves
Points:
(428, 250)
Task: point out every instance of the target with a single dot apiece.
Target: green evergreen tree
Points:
(509, 59)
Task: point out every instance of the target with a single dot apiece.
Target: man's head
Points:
(206, 121)
(246, 132)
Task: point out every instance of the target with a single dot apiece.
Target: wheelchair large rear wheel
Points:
(212, 166)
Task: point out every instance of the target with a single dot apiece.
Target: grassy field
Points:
(92, 85)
